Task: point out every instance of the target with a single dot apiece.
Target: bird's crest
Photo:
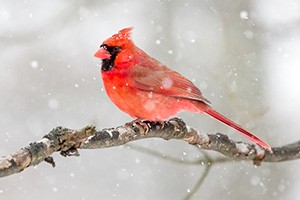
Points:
(121, 39)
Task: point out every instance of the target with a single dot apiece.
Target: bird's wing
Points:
(165, 81)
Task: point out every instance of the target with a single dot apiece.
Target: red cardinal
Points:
(147, 89)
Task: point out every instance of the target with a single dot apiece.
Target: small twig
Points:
(166, 157)
(200, 181)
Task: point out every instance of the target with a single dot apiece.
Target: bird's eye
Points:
(111, 49)
(116, 49)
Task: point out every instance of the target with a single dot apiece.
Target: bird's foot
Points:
(142, 125)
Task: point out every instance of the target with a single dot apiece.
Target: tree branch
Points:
(67, 141)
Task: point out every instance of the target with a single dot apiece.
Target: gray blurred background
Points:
(243, 55)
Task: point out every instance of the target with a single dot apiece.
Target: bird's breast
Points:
(143, 104)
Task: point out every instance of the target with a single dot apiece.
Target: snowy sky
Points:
(243, 55)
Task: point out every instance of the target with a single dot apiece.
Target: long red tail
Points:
(210, 111)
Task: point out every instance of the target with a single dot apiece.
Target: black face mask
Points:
(108, 64)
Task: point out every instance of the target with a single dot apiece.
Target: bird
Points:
(147, 89)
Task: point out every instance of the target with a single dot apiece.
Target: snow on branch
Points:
(68, 141)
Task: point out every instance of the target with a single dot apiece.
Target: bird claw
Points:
(142, 125)
(135, 121)
(162, 124)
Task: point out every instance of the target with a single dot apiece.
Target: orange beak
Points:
(102, 54)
